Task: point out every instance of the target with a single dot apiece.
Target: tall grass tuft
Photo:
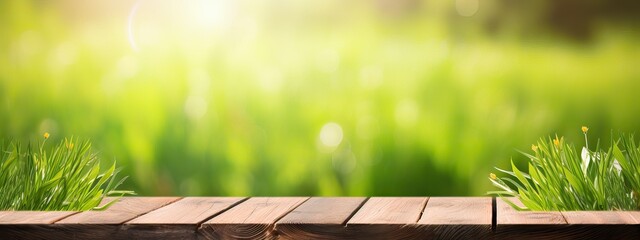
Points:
(561, 178)
(68, 177)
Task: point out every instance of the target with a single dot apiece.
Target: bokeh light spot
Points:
(344, 161)
(467, 8)
(406, 113)
(331, 134)
(195, 107)
(371, 77)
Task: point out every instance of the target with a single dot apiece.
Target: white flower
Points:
(616, 165)
(586, 159)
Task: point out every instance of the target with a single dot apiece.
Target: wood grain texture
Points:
(387, 218)
(602, 224)
(316, 218)
(456, 218)
(514, 224)
(509, 216)
(585, 225)
(457, 210)
(29, 224)
(390, 210)
(32, 217)
(123, 210)
(635, 215)
(252, 219)
(319, 218)
(189, 210)
(104, 224)
(598, 217)
(178, 220)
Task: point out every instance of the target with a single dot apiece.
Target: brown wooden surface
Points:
(390, 210)
(513, 224)
(602, 224)
(509, 216)
(251, 219)
(106, 224)
(178, 220)
(123, 210)
(567, 225)
(635, 215)
(319, 218)
(457, 218)
(457, 210)
(189, 210)
(32, 217)
(387, 218)
(598, 217)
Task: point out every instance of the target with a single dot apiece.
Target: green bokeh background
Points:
(231, 97)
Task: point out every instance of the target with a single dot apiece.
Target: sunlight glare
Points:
(158, 22)
(130, 33)
(210, 14)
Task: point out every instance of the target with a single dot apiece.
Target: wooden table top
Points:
(317, 218)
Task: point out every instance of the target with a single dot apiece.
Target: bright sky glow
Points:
(157, 21)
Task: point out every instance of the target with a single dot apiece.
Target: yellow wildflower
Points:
(534, 147)
(585, 129)
(556, 141)
(492, 176)
(46, 135)
(69, 145)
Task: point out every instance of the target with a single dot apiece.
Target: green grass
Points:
(563, 178)
(68, 177)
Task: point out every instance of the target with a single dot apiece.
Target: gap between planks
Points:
(223, 211)
(254, 218)
(279, 218)
(355, 211)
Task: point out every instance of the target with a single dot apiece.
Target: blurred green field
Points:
(311, 97)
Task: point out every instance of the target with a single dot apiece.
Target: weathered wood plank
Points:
(319, 218)
(456, 218)
(635, 215)
(124, 210)
(93, 224)
(252, 219)
(602, 224)
(90, 224)
(32, 217)
(457, 210)
(387, 218)
(178, 220)
(29, 224)
(567, 225)
(509, 216)
(189, 210)
(391, 210)
(598, 217)
(513, 224)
